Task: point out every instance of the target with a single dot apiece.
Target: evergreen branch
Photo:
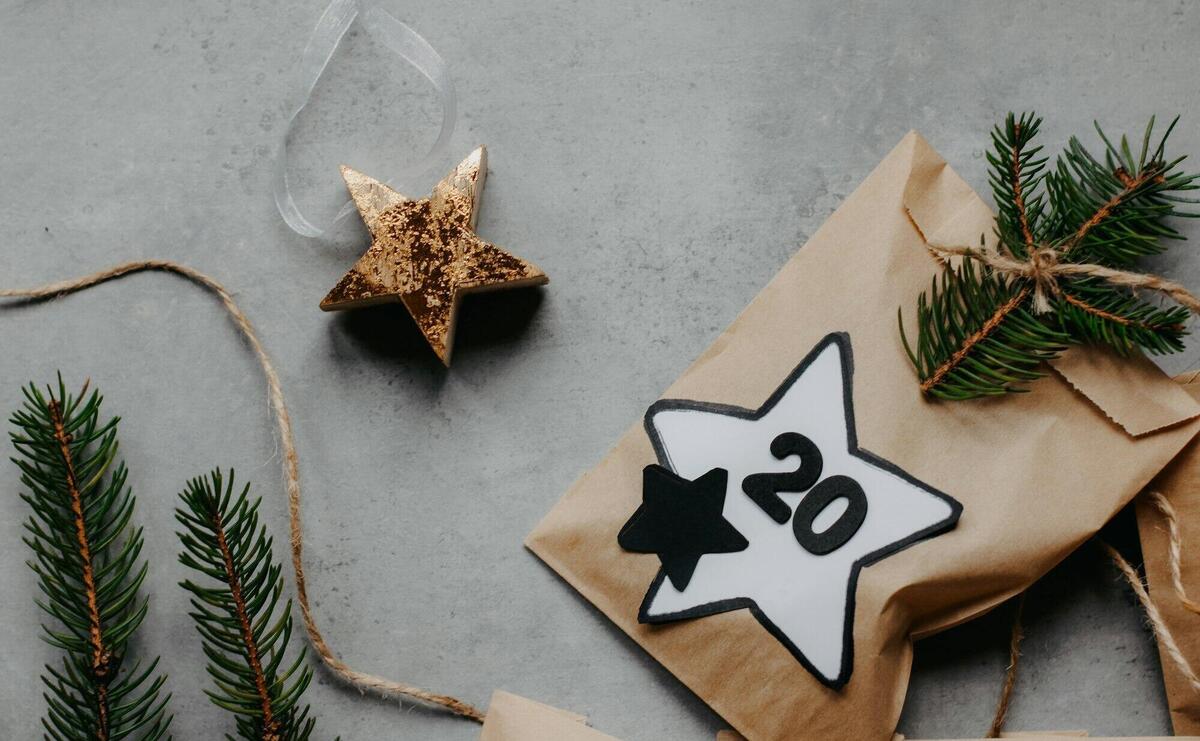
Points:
(87, 561)
(1130, 185)
(977, 336)
(1115, 211)
(1015, 179)
(988, 330)
(970, 343)
(270, 723)
(1092, 312)
(101, 656)
(245, 637)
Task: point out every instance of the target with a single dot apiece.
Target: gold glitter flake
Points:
(425, 254)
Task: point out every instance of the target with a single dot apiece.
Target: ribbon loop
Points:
(396, 37)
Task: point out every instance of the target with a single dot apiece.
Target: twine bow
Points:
(1044, 267)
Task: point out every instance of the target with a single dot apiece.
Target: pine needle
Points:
(236, 609)
(88, 561)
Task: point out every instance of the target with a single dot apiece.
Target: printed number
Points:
(843, 529)
(764, 488)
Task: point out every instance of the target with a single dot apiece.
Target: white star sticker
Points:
(805, 600)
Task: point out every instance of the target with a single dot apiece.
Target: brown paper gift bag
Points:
(1036, 474)
(1179, 483)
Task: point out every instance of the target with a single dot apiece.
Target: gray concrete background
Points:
(660, 160)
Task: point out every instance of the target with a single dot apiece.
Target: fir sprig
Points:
(237, 613)
(982, 333)
(88, 561)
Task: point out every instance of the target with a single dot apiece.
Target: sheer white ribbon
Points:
(397, 38)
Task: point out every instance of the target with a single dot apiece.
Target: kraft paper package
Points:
(786, 595)
(1180, 484)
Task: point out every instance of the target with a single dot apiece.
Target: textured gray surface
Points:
(659, 160)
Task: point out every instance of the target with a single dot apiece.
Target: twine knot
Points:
(1041, 269)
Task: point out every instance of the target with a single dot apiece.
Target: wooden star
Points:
(425, 254)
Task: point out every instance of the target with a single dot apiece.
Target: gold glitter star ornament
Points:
(425, 253)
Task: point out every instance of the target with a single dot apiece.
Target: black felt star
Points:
(681, 520)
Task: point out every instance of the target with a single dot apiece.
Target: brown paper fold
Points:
(1037, 473)
(514, 718)
(1180, 484)
(1128, 390)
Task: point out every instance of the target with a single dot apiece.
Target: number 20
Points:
(764, 488)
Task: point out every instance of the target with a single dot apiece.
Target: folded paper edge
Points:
(1132, 392)
(1116, 386)
(503, 699)
(508, 712)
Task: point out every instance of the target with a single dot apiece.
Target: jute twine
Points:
(1174, 565)
(1175, 549)
(1010, 675)
(386, 688)
(1153, 615)
(1044, 268)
